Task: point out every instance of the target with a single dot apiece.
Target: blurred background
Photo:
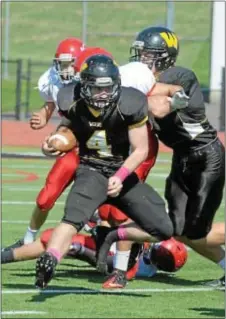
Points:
(32, 30)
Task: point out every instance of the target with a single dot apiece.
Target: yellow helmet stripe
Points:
(170, 39)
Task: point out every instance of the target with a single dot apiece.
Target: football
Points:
(63, 141)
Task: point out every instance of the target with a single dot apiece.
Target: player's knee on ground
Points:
(178, 223)
(166, 229)
(196, 233)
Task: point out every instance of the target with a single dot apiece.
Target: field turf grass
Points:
(75, 291)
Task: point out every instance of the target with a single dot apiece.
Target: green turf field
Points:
(74, 292)
(37, 27)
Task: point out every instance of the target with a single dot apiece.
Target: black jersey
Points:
(103, 139)
(188, 128)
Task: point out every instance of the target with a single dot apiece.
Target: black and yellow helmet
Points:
(155, 46)
(100, 82)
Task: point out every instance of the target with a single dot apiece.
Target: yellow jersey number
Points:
(98, 142)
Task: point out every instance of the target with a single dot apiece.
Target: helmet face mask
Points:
(66, 55)
(65, 69)
(156, 47)
(98, 94)
(100, 83)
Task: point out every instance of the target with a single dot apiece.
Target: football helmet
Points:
(66, 55)
(100, 82)
(88, 52)
(155, 46)
(169, 255)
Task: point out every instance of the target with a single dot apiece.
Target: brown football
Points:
(63, 141)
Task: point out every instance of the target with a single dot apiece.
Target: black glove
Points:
(179, 100)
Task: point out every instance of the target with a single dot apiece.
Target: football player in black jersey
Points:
(109, 122)
(194, 188)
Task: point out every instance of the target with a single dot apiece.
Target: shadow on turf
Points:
(173, 279)
(93, 276)
(215, 313)
(41, 297)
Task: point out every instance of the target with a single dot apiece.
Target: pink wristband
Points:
(122, 173)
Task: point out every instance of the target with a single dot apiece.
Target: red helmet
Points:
(88, 52)
(66, 55)
(169, 255)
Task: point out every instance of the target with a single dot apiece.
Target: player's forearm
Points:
(138, 156)
(47, 110)
(159, 106)
(165, 89)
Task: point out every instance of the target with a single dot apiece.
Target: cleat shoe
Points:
(218, 283)
(131, 273)
(115, 280)
(45, 269)
(133, 263)
(17, 244)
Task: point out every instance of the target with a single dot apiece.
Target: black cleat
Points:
(218, 283)
(45, 269)
(17, 244)
(116, 280)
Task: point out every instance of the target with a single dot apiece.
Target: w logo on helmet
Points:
(170, 39)
(84, 67)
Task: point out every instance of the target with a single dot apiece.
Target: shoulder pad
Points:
(132, 101)
(178, 76)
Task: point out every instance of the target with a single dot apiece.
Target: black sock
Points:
(7, 256)
(88, 255)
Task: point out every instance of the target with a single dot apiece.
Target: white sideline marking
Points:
(18, 175)
(5, 202)
(57, 203)
(5, 165)
(37, 189)
(45, 166)
(157, 175)
(51, 221)
(22, 312)
(117, 291)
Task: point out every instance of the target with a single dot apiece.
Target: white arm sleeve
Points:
(138, 76)
(44, 87)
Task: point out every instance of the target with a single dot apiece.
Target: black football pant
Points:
(194, 189)
(138, 201)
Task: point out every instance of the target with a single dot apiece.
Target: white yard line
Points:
(36, 189)
(51, 221)
(17, 166)
(23, 312)
(5, 202)
(115, 291)
(19, 175)
(157, 175)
